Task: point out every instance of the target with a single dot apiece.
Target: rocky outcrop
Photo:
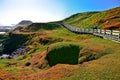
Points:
(20, 51)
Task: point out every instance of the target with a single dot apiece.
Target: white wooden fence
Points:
(106, 34)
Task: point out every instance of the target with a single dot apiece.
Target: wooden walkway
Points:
(113, 35)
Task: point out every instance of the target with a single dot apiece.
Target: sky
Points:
(14, 11)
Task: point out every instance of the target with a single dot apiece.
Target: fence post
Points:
(88, 30)
(84, 30)
(119, 36)
(111, 34)
(97, 30)
(100, 31)
(104, 33)
(93, 31)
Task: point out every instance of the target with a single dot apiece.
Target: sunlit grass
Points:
(104, 66)
(107, 19)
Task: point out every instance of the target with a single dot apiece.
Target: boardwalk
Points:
(113, 35)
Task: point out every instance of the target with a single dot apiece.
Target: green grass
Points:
(42, 26)
(79, 17)
(106, 19)
(104, 66)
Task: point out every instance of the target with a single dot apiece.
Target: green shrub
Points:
(63, 52)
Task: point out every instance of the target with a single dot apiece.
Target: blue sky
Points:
(13, 11)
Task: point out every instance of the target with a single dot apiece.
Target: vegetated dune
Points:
(109, 19)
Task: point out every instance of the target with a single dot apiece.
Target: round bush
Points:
(63, 52)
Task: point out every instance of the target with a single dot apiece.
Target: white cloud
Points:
(35, 10)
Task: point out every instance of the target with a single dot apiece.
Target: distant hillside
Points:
(24, 23)
(109, 19)
(79, 17)
(37, 26)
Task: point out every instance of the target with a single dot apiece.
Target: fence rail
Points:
(106, 34)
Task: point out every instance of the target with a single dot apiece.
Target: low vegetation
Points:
(109, 19)
(58, 54)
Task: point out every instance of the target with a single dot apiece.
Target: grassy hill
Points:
(37, 27)
(28, 35)
(51, 50)
(109, 19)
(79, 17)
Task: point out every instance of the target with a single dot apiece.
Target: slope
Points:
(98, 58)
(109, 19)
(95, 53)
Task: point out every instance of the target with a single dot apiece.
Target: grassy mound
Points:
(35, 27)
(43, 26)
(63, 52)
